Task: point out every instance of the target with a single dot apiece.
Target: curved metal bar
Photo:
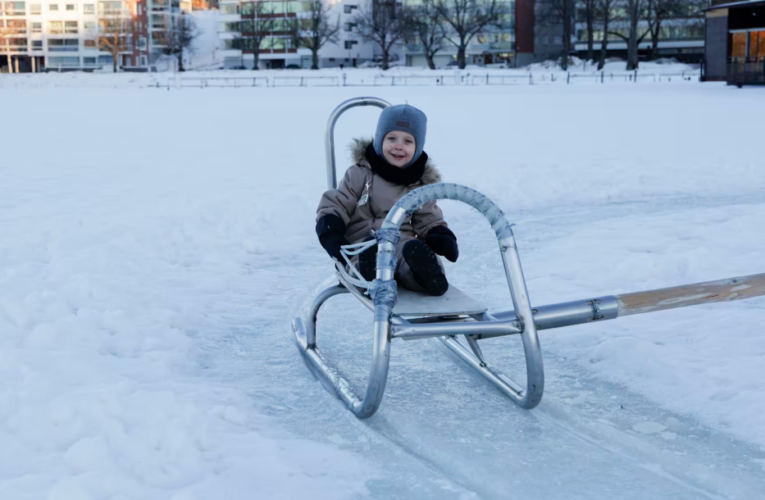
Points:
(305, 335)
(331, 379)
(388, 235)
(384, 295)
(310, 328)
(329, 136)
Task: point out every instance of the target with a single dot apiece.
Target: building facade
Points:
(680, 37)
(63, 35)
(277, 49)
(494, 45)
(735, 43)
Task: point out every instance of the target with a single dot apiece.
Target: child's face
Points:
(398, 148)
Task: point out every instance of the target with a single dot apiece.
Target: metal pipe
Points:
(566, 313)
(504, 385)
(329, 135)
(313, 312)
(378, 376)
(428, 330)
(415, 199)
(535, 375)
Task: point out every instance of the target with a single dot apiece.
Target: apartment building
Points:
(493, 45)
(277, 49)
(64, 35)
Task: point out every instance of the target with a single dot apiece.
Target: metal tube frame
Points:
(329, 135)
(384, 299)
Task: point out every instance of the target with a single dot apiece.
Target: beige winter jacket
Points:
(363, 200)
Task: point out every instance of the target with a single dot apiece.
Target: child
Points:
(386, 169)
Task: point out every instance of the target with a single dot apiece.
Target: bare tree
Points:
(559, 14)
(382, 24)
(464, 19)
(424, 27)
(689, 13)
(588, 8)
(256, 26)
(316, 30)
(604, 12)
(114, 35)
(634, 12)
(178, 36)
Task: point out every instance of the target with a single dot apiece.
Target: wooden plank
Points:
(453, 302)
(743, 287)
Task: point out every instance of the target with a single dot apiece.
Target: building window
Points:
(89, 60)
(14, 8)
(70, 27)
(349, 26)
(63, 45)
(89, 8)
(89, 44)
(53, 6)
(142, 43)
(144, 61)
(36, 27)
(738, 47)
(348, 9)
(89, 26)
(230, 9)
(37, 44)
(109, 7)
(15, 27)
(69, 61)
(70, 6)
(350, 43)
(757, 45)
(35, 9)
(55, 27)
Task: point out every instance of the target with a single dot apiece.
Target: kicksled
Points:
(402, 314)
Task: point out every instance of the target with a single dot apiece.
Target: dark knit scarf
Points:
(402, 176)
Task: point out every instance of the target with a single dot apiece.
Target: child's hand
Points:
(331, 232)
(443, 242)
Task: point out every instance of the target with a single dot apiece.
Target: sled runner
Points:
(402, 314)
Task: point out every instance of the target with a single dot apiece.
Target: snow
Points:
(156, 245)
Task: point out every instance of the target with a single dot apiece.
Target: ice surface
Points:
(155, 246)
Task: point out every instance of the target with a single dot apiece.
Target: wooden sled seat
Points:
(453, 303)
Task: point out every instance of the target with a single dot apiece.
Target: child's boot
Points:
(425, 267)
(368, 261)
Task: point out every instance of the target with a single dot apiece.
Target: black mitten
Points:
(443, 242)
(331, 232)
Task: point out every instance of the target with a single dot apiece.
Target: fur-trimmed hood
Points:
(358, 149)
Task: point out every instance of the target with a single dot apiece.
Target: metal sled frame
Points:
(474, 325)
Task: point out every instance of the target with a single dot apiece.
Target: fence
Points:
(462, 79)
(746, 71)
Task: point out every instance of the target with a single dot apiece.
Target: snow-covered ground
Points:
(156, 244)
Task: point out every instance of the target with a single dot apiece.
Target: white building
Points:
(277, 50)
(63, 34)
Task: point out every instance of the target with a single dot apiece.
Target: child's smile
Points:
(398, 148)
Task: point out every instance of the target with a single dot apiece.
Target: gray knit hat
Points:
(403, 118)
